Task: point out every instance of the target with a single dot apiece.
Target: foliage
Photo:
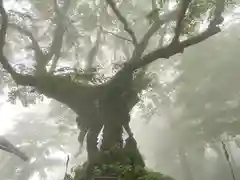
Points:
(25, 95)
(121, 170)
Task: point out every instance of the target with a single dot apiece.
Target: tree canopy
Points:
(62, 20)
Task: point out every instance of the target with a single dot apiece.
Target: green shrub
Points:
(121, 171)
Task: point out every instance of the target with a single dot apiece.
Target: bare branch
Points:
(159, 21)
(41, 60)
(118, 36)
(123, 21)
(172, 16)
(54, 63)
(171, 50)
(4, 26)
(38, 52)
(174, 48)
(56, 45)
(93, 52)
(164, 30)
(55, 49)
(153, 29)
(139, 50)
(218, 19)
(183, 9)
(18, 78)
(52, 86)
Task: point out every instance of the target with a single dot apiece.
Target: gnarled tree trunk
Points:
(110, 112)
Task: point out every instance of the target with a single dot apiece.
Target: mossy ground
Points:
(121, 165)
(121, 172)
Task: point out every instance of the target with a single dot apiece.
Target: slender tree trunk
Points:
(221, 171)
(233, 161)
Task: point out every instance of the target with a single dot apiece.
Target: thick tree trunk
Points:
(112, 136)
(110, 111)
(113, 113)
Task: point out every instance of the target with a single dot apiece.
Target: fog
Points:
(181, 124)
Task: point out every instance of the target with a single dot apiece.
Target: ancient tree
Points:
(107, 103)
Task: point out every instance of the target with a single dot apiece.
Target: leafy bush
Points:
(121, 172)
(122, 168)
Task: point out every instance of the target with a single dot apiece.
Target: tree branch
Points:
(140, 48)
(152, 30)
(4, 25)
(118, 36)
(164, 30)
(55, 49)
(93, 52)
(39, 55)
(158, 22)
(17, 77)
(56, 45)
(123, 21)
(54, 63)
(171, 50)
(79, 97)
(174, 48)
(183, 9)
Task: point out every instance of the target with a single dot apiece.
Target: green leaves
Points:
(121, 171)
(26, 96)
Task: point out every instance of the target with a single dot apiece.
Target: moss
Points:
(123, 168)
(121, 163)
(121, 172)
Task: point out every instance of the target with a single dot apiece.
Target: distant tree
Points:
(206, 89)
(207, 96)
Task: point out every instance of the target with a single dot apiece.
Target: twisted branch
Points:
(56, 45)
(123, 21)
(159, 21)
(18, 78)
(174, 48)
(183, 9)
(39, 55)
(118, 36)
